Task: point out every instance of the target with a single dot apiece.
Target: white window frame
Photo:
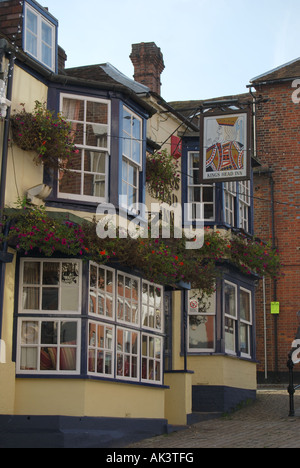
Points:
(129, 354)
(40, 286)
(158, 318)
(147, 358)
(191, 186)
(98, 292)
(129, 136)
(128, 160)
(125, 182)
(40, 20)
(84, 147)
(234, 318)
(131, 301)
(129, 326)
(247, 323)
(244, 204)
(193, 312)
(105, 349)
(38, 346)
(230, 195)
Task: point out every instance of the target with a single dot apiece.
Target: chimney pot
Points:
(148, 63)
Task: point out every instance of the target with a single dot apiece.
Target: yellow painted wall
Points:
(223, 371)
(7, 367)
(22, 173)
(87, 398)
(178, 398)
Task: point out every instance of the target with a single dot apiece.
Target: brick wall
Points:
(278, 146)
(148, 63)
(10, 18)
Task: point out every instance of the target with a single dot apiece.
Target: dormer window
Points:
(40, 37)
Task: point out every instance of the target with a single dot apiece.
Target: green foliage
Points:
(49, 136)
(163, 261)
(162, 176)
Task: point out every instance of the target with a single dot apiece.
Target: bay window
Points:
(110, 328)
(86, 177)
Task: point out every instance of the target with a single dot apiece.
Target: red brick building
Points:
(277, 213)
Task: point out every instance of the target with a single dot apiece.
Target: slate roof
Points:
(286, 72)
(106, 73)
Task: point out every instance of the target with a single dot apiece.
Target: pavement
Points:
(262, 424)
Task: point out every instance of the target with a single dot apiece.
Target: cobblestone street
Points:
(263, 424)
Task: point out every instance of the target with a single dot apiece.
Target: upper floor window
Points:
(237, 203)
(201, 198)
(87, 175)
(131, 157)
(244, 205)
(40, 37)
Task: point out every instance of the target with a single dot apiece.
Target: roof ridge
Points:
(256, 78)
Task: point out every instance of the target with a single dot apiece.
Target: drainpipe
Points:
(272, 183)
(4, 256)
(265, 328)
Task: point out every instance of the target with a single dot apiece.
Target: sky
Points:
(211, 48)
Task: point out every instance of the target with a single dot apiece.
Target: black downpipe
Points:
(4, 257)
(275, 281)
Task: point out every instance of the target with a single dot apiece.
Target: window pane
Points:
(136, 128)
(47, 34)
(31, 21)
(229, 334)
(31, 298)
(97, 112)
(244, 338)
(29, 333)
(126, 121)
(51, 273)
(201, 332)
(31, 273)
(68, 359)
(94, 162)
(70, 182)
(96, 135)
(136, 151)
(47, 55)
(50, 299)
(28, 359)
(49, 333)
(68, 333)
(230, 300)
(245, 300)
(73, 109)
(48, 359)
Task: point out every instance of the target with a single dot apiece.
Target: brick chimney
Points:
(148, 65)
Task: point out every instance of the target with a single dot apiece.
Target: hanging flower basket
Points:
(162, 175)
(49, 136)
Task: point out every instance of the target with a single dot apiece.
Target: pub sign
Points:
(225, 140)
